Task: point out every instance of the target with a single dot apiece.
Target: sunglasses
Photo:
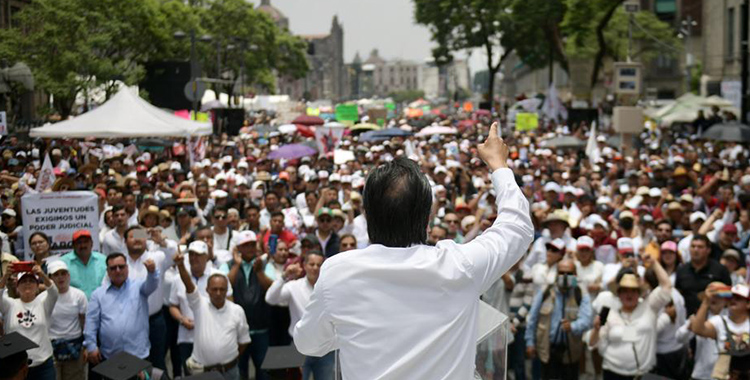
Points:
(220, 217)
(325, 220)
(452, 221)
(114, 268)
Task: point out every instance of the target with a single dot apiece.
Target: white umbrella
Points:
(287, 128)
(437, 130)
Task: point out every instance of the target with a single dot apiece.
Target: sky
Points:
(386, 25)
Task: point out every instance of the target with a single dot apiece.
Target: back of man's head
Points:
(398, 201)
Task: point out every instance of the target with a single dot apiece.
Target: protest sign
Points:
(347, 112)
(526, 121)
(59, 214)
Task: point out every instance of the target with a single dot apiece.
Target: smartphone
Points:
(273, 241)
(140, 234)
(603, 315)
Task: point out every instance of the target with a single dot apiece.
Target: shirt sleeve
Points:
(51, 299)
(83, 303)
(499, 247)
(169, 251)
(194, 300)
(278, 293)
(532, 318)
(314, 334)
(152, 282)
(93, 317)
(243, 330)
(659, 298)
(585, 316)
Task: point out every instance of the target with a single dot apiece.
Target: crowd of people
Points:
(638, 263)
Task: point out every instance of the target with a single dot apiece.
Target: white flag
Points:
(46, 176)
(592, 149)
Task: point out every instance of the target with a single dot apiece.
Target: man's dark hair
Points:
(117, 208)
(252, 206)
(113, 256)
(219, 208)
(703, 238)
(398, 201)
(664, 221)
(271, 193)
(277, 213)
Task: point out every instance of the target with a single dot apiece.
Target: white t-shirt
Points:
(542, 275)
(590, 274)
(666, 337)
(626, 335)
(218, 332)
(734, 328)
(294, 293)
(33, 322)
(65, 322)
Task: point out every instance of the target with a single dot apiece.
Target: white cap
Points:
(198, 247)
(216, 194)
(246, 237)
(624, 189)
(335, 177)
(227, 159)
(696, 216)
(441, 169)
(243, 164)
(654, 192)
(585, 242)
(552, 186)
(55, 266)
(625, 244)
(322, 174)
(558, 243)
(175, 166)
(745, 180)
(569, 190)
(9, 212)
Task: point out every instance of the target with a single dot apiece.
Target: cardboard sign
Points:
(59, 214)
(347, 112)
(526, 121)
(377, 116)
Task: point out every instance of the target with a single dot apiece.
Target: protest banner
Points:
(59, 214)
(327, 139)
(347, 112)
(526, 121)
(47, 176)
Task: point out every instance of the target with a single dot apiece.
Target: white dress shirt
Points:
(113, 242)
(217, 332)
(590, 274)
(137, 271)
(178, 297)
(666, 330)
(295, 294)
(411, 313)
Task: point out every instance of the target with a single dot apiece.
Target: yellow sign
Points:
(527, 121)
(313, 111)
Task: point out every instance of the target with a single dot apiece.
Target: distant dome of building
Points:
(279, 18)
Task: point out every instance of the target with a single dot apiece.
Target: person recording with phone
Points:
(625, 335)
(559, 316)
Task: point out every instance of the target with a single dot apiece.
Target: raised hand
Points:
(494, 151)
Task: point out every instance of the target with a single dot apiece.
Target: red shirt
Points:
(286, 236)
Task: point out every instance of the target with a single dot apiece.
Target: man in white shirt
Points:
(544, 274)
(293, 290)
(589, 270)
(420, 319)
(114, 240)
(179, 307)
(161, 252)
(221, 332)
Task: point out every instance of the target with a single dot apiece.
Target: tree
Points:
(406, 96)
(458, 25)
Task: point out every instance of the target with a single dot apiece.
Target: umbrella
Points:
(305, 131)
(308, 120)
(154, 142)
(364, 127)
(466, 123)
(717, 101)
(334, 124)
(735, 132)
(437, 130)
(483, 112)
(292, 151)
(383, 134)
(287, 128)
(563, 142)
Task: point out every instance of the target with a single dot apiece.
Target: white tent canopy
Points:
(125, 115)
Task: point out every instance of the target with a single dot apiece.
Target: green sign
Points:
(347, 112)
(390, 106)
(526, 121)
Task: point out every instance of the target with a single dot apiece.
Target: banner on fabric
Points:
(59, 215)
(47, 175)
(327, 139)
(526, 121)
(347, 112)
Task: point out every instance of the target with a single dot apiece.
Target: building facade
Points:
(722, 65)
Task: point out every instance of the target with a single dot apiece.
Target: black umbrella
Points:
(735, 132)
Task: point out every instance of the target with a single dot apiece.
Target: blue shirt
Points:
(86, 277)
(577, 327)
(119, 316)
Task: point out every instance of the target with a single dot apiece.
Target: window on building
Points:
(665, 6)
(730, 32)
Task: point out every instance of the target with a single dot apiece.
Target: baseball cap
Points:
(626, 215)
(199, 247)
(585, 242)
(741, 290)
(696, 216)
(729, 228)
(552, 186)
(654, 192)
(669, 246)
(325, 211)
(558, 244)
(9, 212)
(642, 191)
(731, 253)
(81, 233)
(625, 245)
(246, 237)
(55, 266)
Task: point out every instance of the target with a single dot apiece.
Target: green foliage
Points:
(406, 96)
(73, 46)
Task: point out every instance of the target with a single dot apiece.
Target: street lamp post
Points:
(194, 69)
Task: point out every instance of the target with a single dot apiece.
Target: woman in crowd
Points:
(670, 259)
(29, 315)
(348, 243)
(66, 325)
(40, 247)
(626, 339)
